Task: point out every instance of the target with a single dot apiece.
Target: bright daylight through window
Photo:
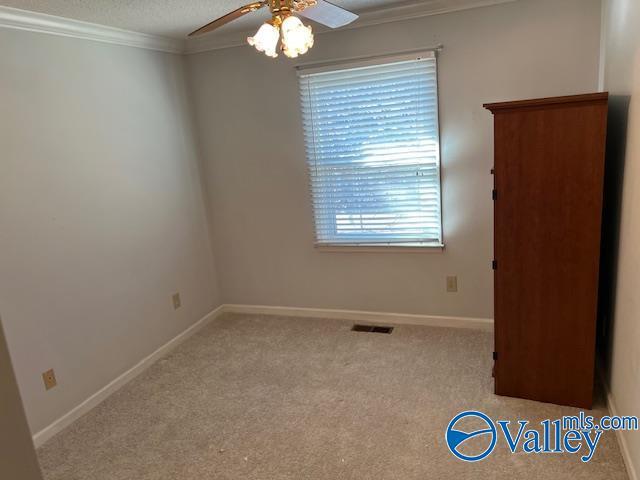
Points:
(372, 140)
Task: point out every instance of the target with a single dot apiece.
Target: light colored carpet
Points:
(272, 398)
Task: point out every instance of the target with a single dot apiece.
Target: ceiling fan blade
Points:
(328, 14)
(229, 17)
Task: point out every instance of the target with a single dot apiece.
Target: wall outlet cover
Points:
(49, 379)
(176, 301)
(452, 284)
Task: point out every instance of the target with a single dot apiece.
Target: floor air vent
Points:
(371, 329)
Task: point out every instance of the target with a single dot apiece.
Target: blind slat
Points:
(374, 72)
(407, 111)
(400, 91)
(373, 151)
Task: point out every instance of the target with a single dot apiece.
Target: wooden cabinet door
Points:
(549, 167)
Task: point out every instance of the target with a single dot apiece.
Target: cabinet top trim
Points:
(542, 102)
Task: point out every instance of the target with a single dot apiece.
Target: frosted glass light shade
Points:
(296, 38)
(266, 40)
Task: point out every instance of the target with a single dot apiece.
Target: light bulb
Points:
(266, 39)
(296, 38)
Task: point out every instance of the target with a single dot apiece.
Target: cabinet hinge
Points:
(494, 194)
(495, 355)
(494, 264)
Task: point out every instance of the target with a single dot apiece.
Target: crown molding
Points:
(405, 11)
(50, 24)
(18, 19)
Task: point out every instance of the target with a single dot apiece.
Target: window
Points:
(373, 150)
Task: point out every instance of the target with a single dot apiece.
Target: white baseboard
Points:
(622, 439)
(67, 419)
(485, 324)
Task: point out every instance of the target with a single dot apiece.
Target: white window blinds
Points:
(373, 150)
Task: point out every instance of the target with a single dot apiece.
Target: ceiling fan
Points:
(296, 38)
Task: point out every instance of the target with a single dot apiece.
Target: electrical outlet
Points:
(176, 301)
(49, 378)
(452, 284)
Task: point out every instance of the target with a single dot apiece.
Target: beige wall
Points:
(101, 213)
(622, 79)
(17, 457)
(249, 124)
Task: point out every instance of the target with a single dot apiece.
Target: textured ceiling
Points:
(169, 18)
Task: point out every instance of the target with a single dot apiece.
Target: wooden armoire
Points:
(548, 180)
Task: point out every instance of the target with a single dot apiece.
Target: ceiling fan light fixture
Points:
(266, 39)
(297, 39)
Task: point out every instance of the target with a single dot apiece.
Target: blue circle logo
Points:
(456, 438)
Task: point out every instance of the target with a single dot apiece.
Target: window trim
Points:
(373, 60)
(386, 248)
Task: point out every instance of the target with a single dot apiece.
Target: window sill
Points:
(398, 248)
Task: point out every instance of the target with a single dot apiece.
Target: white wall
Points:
(622, 79)
(101, 213)
(248, 115)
